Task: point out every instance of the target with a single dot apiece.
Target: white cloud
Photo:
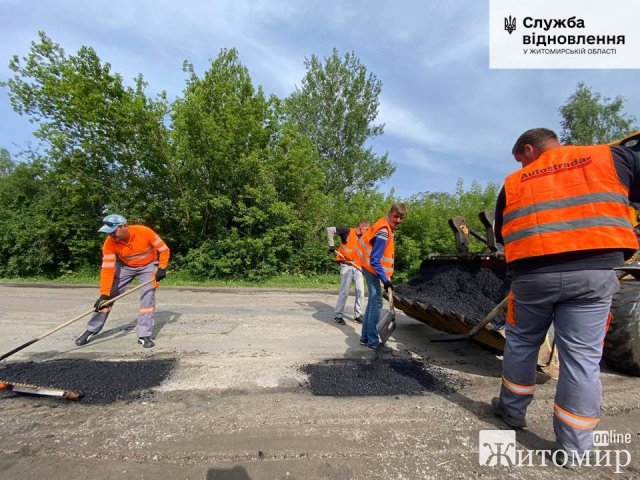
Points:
(413, 157)
(404, 124)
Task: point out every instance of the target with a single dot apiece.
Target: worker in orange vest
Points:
(564, 222)
(128, 252)
(376, 252)
(350, 270)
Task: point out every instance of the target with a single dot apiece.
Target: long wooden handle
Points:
(390, 297)
(497, 310)
(74, 319)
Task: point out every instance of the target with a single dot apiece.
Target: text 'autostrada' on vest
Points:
(556, 168)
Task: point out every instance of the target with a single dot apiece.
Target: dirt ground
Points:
(237, 405)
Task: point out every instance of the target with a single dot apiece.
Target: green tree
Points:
(336, 106)
(7, 165)
(221, 127)
(589, 118)
(104, 143)
(247, 183)
(426, 229)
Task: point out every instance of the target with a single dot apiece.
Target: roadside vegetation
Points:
(239, 184)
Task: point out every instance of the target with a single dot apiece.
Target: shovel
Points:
(36, 390)
(69, 322)
(387, 323)
(497, 310)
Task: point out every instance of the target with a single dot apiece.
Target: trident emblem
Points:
(510, 24)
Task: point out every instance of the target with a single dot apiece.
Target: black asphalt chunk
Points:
(458, 289)
(380, 377)
(99, 382)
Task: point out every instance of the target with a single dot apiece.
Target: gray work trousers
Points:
(123, 277)
(578, 304)
(348, 274)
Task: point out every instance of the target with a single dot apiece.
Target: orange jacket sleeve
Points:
(163, 251)
(108, 270)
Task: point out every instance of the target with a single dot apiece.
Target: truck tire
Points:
(622, 342)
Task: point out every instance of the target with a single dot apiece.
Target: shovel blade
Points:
(386, 326)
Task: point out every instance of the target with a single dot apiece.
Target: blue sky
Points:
(446, 114)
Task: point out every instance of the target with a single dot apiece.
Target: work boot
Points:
(498, 411)
(146, 342)
(358, 319)
(380, 348)
(84, 338)
(339, 321)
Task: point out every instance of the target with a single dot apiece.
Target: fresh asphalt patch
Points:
(99, 382)
(378, 377)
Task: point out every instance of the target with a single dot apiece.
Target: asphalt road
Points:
(259, 385)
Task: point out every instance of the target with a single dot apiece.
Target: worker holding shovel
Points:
(376, 254)
(129, 251)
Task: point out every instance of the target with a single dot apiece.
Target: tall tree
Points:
(221, 126)
(336, 106)
(589, 118)
(246, 182)
(7, 165)
(104, 142)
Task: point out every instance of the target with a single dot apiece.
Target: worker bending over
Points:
(129, 251)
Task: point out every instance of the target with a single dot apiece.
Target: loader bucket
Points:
(454, 292)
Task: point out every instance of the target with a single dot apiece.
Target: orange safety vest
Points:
(144, 246)
(569, 199)
(364, 248)
(347, 251)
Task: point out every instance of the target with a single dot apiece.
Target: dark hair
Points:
(536, 137)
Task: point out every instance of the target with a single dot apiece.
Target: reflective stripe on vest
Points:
(364, 248)
(347, 251)
(149, 252)
(569, 199)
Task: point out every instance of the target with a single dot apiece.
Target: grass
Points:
(177, 279)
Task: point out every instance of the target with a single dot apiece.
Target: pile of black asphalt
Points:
(378, 377)
(99, 382)
(460, 289)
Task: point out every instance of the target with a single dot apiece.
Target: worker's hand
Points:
(160, 274)
(98, 305)
(387, 285)
(332, 249)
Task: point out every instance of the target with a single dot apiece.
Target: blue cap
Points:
(112, 222)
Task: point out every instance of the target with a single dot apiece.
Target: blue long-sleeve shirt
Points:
(378, 244)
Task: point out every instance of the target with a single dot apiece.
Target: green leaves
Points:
(589, 118)
(335, 107)
(239, 185)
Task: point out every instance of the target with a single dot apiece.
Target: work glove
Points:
(160, 274)
(332, 249)
(387, 285)
(98, 305)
